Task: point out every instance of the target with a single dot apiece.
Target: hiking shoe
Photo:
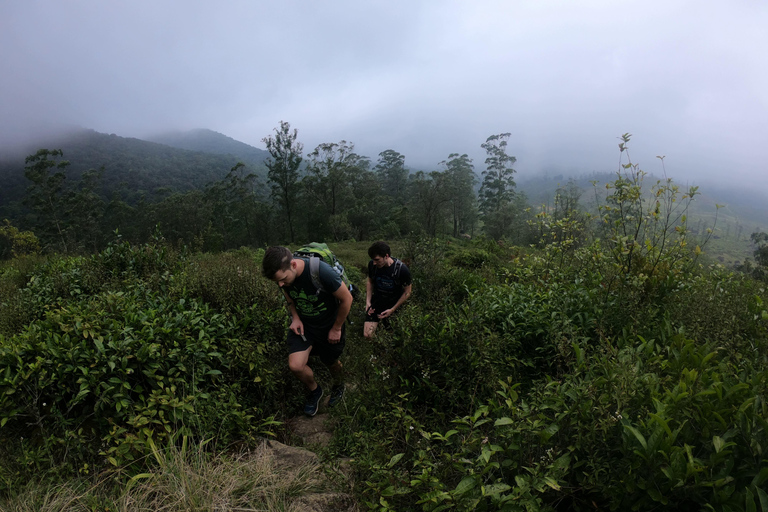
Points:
(337, 393)
(313, 401)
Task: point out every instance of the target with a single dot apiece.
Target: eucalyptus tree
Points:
(392, 174)
(45, 196)
(498, 185)
(366, 215)
(460, 180)
(183, 219)
(429, 196)
(283, 171)
(66, 218)
(498, 202)
(331, 170)
(238, 213)
(85, 212)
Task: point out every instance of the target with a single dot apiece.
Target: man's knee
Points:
(297, 362)
(296, 366)
(369, 328)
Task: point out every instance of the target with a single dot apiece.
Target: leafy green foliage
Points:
(110, 373)
(760, 268)
(602, 368)
(283, 175)
(15, 243)
(117, 359)
(611, 373)
(498, 185)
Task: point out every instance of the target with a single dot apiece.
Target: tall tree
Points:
(45, 196)
(238, 213)
(499, 203)
(85, 211)
(332, 169)
(498, 186)
(392, 174)
(366, 216)
(283, 170)
(460, 180)
(429, 197)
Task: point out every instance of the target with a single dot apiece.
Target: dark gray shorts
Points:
(378, 307)
(329, 353)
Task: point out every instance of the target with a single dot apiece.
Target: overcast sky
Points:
(689, 79)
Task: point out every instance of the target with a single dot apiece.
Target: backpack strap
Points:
(396, 271)
(314, 272)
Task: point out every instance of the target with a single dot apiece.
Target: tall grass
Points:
(189, 478)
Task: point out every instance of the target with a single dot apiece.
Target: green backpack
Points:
(316, 251)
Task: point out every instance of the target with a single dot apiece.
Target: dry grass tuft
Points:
(191, 479)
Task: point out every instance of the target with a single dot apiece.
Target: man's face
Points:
(285, 277)
(379, 261)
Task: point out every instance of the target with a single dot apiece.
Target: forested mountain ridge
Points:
(134, 168)
(197, 192)
(209, 141)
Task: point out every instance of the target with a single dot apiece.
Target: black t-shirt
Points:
(315, 309)
(388, 288)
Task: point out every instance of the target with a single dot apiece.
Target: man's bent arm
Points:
(345, 304)
(294, 314)
(404, 297)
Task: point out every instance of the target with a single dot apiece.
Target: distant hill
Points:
(135, 168)
(209, 141)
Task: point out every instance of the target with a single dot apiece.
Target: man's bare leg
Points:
(369, 329)
(297, 362)
(337, 372)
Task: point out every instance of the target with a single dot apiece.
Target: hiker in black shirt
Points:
(317, 319)
(387, 288)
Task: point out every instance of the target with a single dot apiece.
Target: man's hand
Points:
(334, 335)
(297, 326)
(386, 313)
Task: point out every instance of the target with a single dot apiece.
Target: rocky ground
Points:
(333, 481)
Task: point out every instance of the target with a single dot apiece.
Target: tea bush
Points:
(609, 374)
(227, 281)
(615, 375)
(657, 423)
(120, 354)
(104, 375)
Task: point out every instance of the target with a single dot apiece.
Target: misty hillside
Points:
(132, 167)
(185, 161)
(733, 214)
(209, 141)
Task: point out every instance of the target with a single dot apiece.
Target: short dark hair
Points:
(379, 249)
(275, 259)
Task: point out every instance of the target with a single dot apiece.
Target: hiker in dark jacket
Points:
(387, 288)
(317, 320)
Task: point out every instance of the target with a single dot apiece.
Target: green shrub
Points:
(150, 262)
(13, 316)
(227, 281)
(96, 379)
(660, 423)
(702, 438)
(571, 407)
(721, 306)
